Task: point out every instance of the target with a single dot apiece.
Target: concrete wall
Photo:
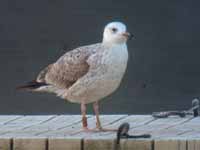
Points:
(163, 70)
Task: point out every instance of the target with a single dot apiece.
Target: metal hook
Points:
(123, 133)
(195, 107)
(192, 111)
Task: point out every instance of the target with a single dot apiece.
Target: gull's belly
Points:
(96, 88)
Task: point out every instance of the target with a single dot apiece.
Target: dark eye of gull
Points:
(114, 30)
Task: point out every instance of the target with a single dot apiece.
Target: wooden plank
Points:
(41, 124)
(183, 127)
(106, 120)
(190, 129)
(165, 123)
(68, 126)
(135, 121)
(5, 144)
(190, 134)
(64, 144)
(17, 127)
(109, 144)
(32, 120)
(4, 119)
(76, 129)
(132, 144)
(60, 122)
(161, 127)
(194, 144)
(21, 134)
(170, 144)
(99, 144)
(24, 122)
(29, 144)
(168, 133)
(195, 120)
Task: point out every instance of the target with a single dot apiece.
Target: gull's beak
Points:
(128, 35)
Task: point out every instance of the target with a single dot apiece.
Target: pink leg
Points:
(98, 123)
(84, 118)
(96, 111)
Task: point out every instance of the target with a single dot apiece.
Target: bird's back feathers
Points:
(65, 71)
(68, 68)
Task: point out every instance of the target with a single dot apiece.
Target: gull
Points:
(89, 73)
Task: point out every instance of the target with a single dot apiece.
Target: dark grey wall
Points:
(163, 70)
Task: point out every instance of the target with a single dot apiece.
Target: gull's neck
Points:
(111, 44)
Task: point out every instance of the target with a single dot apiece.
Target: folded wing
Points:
(69, 68)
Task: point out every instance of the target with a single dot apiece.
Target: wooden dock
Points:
(63, 132)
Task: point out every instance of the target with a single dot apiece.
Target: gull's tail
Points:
(32, 86)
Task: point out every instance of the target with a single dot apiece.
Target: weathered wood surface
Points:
(63, 132)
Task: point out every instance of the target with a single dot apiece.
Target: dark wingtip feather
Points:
(31, 85)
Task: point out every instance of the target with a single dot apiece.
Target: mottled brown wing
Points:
(68, 69)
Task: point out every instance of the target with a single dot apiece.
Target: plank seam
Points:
(27, 127)
(74, 123)
(187, 145)
(5, 132)
(150, 121)
(146, 123)
(178, 123)
(152, 145)
(39, 133)
(123, 117)
(82, 144)
(185, 132)
(12, 144)
(48, 119)
(69, 125)
(5, 123)
(47, 144)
